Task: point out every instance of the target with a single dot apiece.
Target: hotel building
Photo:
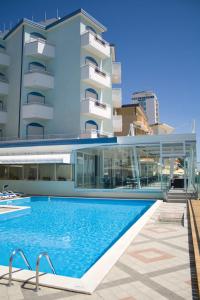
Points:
(148, 100)
(56, 82)
(56, 79)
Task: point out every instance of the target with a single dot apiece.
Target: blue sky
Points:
(157, 42)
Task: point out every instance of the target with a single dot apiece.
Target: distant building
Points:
(130, 119)
(148, 100)
(161, 128)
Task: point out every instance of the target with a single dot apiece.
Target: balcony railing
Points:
(40, 79)
(37, 111)
(95, 44)
(95, 76)
(3, 115)
(92, 107)
(4, 58)
(39, 48)
(3, 85)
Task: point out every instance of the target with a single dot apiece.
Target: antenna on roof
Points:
(45, 16)
(4, 27)
(32, 18)
(10, 25)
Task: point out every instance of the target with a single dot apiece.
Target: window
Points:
(34, 130)
(36, 66)
(46, 172)
(91, 93)
(36, 36)
(63, 172)
(91, 29)
(35, 97)
(91, 125)
(30, 172)
(2, 77)
(15, 172)
(91, 60)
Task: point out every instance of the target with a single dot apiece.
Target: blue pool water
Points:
(75, 232)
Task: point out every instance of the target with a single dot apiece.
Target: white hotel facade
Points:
(56, 79)
(59, 87)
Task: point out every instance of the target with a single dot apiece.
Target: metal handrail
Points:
(16, 251)
(42, 254)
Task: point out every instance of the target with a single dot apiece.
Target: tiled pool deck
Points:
(156, 266)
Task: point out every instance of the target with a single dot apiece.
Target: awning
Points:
(36, 159)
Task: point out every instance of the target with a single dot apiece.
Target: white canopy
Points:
(36, 159)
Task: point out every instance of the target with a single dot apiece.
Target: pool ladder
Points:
(42, 254)
(21, 252)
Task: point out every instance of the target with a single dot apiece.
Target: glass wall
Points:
(152, 166)
(44, 172)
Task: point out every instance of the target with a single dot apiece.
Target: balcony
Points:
(93, 75)
(4, 59)
(39, 48)
(116, 72)
(95, 44)
(37, 79)
(3, 86)
(37, 111)
(117, 123)
(93, 108)
(117, 97)
(3, 116)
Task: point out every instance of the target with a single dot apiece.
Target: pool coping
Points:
(91, 279)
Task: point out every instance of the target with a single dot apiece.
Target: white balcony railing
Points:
(4, 59)
(38, 79)
(92, 107)
(95, 44)
(94, 76)
(3, 116)
(116, 72)
(37, 111)
(117, 123)
(3, 86)
(117, 97)
(39, 48)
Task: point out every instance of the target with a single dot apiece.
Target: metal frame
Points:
(42, 254)
(16, 251)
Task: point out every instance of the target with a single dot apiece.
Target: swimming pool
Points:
(75, 232)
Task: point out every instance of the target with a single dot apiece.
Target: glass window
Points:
(46, 172)
(16, 172)
(63, 172)
(4, 172)
(30, 172)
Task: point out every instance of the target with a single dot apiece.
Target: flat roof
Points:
(58, 21)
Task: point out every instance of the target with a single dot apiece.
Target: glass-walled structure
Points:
(140, 166)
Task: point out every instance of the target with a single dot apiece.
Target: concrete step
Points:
(170, 213)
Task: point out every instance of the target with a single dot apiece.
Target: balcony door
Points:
(35, 131)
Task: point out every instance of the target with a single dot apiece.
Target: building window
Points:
(91, 125)
(35, 97)
(2, 47)
(36, 35)
(91, 93)
(91, 60)
(91, 29)
(36, 66)
(34, 130)
(2, 77)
